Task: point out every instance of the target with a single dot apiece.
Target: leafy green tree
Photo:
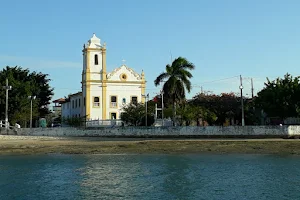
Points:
(134, 114)
(168, 113)
(228, 106)
(42, 89)
(280, 97)
(190, 113)
(252, 114)
(24, 84)
(177, 82)
(74, 121)
(224, 106)
(187, 114)
(204, 114)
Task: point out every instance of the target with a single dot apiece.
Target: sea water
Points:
(150, 177)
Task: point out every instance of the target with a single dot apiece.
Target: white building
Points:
(72, 106)
(103, 94)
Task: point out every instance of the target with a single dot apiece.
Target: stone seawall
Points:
(189, 131)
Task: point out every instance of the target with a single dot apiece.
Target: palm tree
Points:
(177, 82)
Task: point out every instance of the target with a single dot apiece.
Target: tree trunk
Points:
(198, 121)
(174, 113)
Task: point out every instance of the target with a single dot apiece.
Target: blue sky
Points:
(224, 39)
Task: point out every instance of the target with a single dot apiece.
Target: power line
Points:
(198, 85)
(219, 80)
(212, 81)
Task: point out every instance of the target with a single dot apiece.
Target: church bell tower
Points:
(94, 79)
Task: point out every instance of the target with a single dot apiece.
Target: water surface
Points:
(150, 177)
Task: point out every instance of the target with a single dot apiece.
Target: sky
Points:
(223, 39)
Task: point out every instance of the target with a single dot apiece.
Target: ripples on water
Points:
(150, 177)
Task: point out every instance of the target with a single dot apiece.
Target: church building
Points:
(104, 94)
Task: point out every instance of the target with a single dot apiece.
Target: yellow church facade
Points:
(104, 94)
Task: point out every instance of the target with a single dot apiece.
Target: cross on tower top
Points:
(123, 61)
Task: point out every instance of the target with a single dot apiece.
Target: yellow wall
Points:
(87, 82)
(104, 86)
(88, 86)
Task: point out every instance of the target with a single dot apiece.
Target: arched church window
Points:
(96, 101)
(113, 101)
(134, 100)
(96, 59)
(124, 100)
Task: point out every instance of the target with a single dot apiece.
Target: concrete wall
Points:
(209, 131)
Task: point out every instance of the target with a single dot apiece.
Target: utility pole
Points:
(6, 87)
(252, 89)
(242, 100)
(146, 108)
(156, 109)
(201, 90)
(162, 106)
(31, 98)
(146, 123)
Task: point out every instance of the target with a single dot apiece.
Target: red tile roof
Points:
(61, 100)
